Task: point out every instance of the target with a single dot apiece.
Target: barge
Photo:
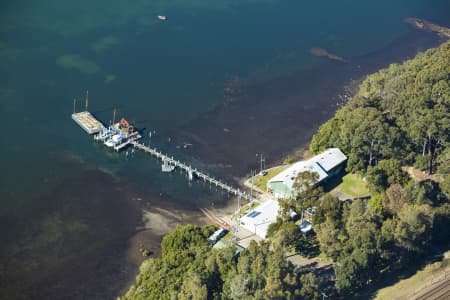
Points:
(116, 136)
(88, 122)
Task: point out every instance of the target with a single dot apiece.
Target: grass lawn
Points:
(353, 185)
(227, 237)
(248, 207)
(405, 288)
(261, 181)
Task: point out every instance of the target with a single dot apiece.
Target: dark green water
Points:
(68, 207)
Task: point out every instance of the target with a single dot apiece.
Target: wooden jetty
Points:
(192, 172)
(121, 134)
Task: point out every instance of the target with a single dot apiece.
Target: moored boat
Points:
(114, 140)
(104, 134)
(166, 167)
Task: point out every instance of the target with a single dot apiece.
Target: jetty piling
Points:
(93, 126)
(192, 173)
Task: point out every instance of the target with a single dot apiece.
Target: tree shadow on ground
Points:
(308, 246)
(394, 276)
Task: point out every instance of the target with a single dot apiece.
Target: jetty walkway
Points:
(122, 134)
(191, 172)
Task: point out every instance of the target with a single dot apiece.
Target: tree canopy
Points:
(401, 113)
(400, 116)
(190, 269)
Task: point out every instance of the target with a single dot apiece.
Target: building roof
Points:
(330, 158)
(288, 176)
(259, 219)
(282, 184)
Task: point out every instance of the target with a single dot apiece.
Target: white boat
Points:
(109, 143)
(162, 18)
(113, 141)
(104, 134)
(166, 167)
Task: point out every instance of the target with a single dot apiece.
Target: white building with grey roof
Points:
(325, 165)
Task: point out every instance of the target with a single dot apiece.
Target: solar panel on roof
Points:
(254, 214)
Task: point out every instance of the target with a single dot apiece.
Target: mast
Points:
(261, 163)
(114, 117)
(261, 160)
(74, 105)
(87, 100)
(251, 184)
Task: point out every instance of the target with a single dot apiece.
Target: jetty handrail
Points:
(192, 171)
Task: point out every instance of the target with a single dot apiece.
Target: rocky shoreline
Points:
(422, 24)
(278, 117)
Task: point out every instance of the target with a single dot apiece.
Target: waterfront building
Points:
(324, 165)
(259, 219)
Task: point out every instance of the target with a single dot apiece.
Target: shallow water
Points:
(233, 78)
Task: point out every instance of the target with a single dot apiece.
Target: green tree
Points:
(177, 245)
(327, 136)
(193, 288)
(347, 270)
(331, 237)
(286, 236)
(238, 287)
(445, 185)
(400, 113)
(305, 181)
(444, 161)
(386, 173)
(328, 207)
(426, 192)
(413, 227)
(376, 203)
(310, 286)
(395, 198)
(285, 207)
(289, 160)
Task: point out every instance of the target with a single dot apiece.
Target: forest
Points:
(400, 113)
(399, 118)
(190, 269)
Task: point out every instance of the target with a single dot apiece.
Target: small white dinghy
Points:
(166, 167)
